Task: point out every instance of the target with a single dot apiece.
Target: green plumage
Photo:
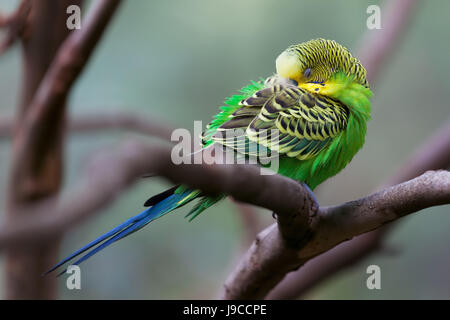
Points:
(331, 153)
(320, 129)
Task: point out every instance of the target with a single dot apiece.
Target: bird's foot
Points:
(314, 201)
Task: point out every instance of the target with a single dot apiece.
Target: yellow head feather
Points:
(317, 61)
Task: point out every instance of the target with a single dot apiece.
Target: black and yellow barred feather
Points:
(326, 57)
(305, 122)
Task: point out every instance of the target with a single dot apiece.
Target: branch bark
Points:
(46, 25)
(244, 183)
(52, 61)
(269, 259)
(131, 161)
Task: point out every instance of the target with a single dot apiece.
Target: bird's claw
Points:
(314, 201)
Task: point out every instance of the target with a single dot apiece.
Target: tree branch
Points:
(53, 58)
(244, 183)
(45, 24)
(119, 120)
(54, 88)
(15, 24)
(130, 162)
(433, 155)
(269, 259)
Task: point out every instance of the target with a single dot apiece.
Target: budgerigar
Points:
(318, 100)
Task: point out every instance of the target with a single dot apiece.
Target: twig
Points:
(16, 25)
(119, 120)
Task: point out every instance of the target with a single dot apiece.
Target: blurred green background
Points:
(177, 61)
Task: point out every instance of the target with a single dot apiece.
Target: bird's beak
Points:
(313, 87)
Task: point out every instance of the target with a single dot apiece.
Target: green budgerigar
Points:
(318, 104)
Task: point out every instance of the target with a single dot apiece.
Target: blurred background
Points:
(177, 61)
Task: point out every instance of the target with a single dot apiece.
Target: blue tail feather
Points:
(122, 234)
(128, 227)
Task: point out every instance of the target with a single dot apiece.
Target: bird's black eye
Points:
(307, 73)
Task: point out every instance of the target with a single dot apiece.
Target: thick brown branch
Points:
(46, 24)
(53, 58)
(244, 183)
(130, 162)
(269, 260)
(74, 53)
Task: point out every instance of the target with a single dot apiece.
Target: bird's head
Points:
(316, 61)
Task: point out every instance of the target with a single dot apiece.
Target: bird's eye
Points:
(307, 73)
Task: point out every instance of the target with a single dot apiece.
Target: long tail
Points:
(159, 205)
